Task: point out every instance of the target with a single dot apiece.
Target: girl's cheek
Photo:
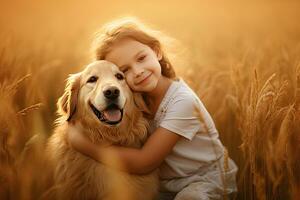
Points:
(129, 81)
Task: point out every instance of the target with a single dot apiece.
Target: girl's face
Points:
(138, 62)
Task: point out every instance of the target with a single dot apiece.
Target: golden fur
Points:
(79, 177)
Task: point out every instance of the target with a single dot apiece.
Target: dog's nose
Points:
(111, 92)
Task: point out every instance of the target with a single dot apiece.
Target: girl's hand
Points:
(76, 136)
(82, 144)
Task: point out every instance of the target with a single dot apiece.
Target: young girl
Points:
(187, 151)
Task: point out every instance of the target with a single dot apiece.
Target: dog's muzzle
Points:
(111, 115)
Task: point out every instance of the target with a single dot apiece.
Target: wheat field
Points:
(242, 59)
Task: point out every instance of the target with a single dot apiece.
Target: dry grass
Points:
(246, 69)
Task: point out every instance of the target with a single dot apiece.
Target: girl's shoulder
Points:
(181, 113)
(178, 112)
(180, 98)
(183, 92)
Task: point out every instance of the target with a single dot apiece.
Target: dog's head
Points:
(99, 95)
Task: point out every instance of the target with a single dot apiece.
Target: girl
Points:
(187, 151)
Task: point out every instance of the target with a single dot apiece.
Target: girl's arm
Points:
(137, 161)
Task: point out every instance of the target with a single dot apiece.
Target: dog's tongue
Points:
(112, 115)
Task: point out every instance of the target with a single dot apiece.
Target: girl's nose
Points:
(138, 71)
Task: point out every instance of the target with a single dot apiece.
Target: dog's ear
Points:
(66, 104)
(140, 103)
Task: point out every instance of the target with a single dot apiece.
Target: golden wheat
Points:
(248, 77)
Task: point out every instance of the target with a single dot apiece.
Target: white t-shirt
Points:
(199, 145)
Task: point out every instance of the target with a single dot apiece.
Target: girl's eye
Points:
(92, 79)
(141, 58)
(119, 76)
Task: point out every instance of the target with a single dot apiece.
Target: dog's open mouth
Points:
(112, 115)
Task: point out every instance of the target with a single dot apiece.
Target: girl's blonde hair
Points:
(133, 29)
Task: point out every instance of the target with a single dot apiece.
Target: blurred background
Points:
(241, 57)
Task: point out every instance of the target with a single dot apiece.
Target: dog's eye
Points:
(92, 79)
(119, 76)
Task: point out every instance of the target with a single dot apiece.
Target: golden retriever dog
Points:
(99, 100)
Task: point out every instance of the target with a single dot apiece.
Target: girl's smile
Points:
(144, 79)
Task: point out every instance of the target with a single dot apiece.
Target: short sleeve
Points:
(181, 117)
